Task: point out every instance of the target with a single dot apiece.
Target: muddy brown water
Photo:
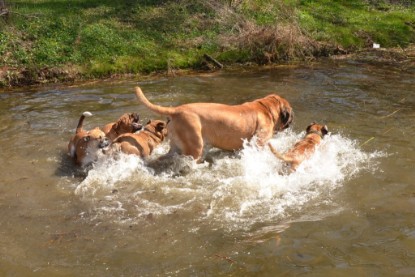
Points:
(350, 209)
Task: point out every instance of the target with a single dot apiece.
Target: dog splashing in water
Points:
(304, 148)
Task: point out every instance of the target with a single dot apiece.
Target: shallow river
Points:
(349, 209)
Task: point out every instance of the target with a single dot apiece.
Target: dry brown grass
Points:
(265, 44)
(273, 43)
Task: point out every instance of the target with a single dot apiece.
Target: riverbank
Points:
(60, 41)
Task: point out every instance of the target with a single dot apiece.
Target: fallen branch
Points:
(213, 60)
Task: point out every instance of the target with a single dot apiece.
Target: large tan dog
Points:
(84, 146)
(222, 126)
(127, 123)
(304, 148)
(143, 142)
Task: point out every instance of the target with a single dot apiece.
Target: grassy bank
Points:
(59, 40)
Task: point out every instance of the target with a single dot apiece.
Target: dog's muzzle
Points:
(104, 143)
(137, 126)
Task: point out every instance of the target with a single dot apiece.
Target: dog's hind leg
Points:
(195, 152)
(185, 132)
(191, 141)
(193, 145)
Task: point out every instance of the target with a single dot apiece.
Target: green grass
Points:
(100, 38)
(356, 24)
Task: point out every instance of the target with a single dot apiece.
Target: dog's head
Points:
(319, 129)
(89, 145)
(128, 123)
(280, 110)
(157, 127)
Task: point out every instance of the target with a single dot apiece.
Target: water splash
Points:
(236, 191)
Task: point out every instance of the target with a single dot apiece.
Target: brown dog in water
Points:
(143, 142)
(304, 148)
(223, 126)
(127, 123)
(84, 146)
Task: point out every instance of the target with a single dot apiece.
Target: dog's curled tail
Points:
(81, 121)
(155, 108)
(278, 154)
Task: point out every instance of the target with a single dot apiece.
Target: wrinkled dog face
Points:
(96, 138)
(280, 110)
(90, 145)
(317, 128)
(136, 125)
(128, 123)
(286, 114)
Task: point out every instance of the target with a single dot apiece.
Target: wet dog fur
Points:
(192, 126)
(304, 148)
(84, 146)
(141, 143)
(127, 123)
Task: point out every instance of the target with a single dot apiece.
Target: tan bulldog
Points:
(84, 146)
(223, 126)
(304, 148)
(127, 123)
(143, 142)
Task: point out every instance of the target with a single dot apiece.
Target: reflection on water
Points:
(349, 208)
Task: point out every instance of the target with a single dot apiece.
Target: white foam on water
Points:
(235, 192)
(106, 172)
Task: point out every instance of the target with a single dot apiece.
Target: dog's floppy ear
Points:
(324, 130)
(309, 127)
(160, 126)
(135, 117)
(116, 125)
(286, 117)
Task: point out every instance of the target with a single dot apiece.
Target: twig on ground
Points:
(389, 115)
